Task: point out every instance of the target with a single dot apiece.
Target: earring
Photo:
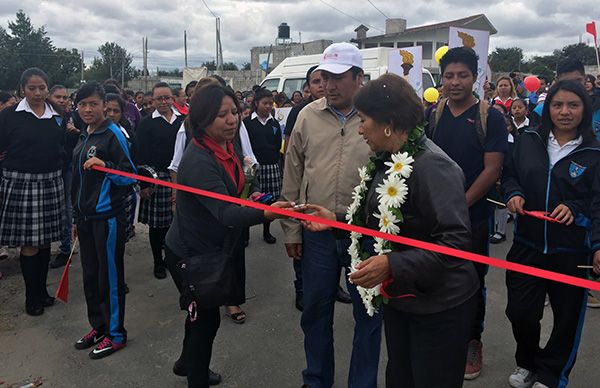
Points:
(387, 131)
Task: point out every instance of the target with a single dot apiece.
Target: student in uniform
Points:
(265, 136)
(100, 221)
(156, 135)
(32, 190)
(554, 168)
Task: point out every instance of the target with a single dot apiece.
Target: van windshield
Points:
(270, 84)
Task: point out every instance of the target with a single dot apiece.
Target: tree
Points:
(581, 51)
(170, 73)
(111, 63)
(210, 65)
(26, 46)
(230, 66)
(246, 66)
(506, 59)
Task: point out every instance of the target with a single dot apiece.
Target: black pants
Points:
(201, 327)
(102, 246)
(429, 350)
(526, 295)
(480, 244)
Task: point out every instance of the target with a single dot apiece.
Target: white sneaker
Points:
(539, 385)
(521, 378)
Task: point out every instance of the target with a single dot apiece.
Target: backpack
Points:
(435, 114)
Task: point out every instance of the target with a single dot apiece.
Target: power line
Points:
(209, 10)
(350, 16)
(380, 11)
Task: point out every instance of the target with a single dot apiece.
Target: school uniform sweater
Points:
(155, 139)
(265, 139)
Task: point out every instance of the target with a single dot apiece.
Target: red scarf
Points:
(228, 159)
(183, 109)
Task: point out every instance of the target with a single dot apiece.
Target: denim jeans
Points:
(322, 260)
(65, 238)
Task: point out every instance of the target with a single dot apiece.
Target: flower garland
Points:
(392, 193)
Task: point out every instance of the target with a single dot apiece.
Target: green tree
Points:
(581, 51)
(230, 66)
(27, 46)
(506, 59)
(170, 73)
(210, 65)
(246, 66)
(111, 63)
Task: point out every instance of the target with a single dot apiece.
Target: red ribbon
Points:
(524, 269)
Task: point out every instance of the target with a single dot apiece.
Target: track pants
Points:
(526, 295)
(102, 247)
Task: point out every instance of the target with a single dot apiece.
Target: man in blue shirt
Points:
(478, 148)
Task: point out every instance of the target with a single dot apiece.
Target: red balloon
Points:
(531, 83)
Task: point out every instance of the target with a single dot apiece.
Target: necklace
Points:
(392, 194)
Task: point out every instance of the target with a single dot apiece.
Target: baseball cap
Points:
(338, 58)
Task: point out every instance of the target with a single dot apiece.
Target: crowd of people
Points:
(367, 153)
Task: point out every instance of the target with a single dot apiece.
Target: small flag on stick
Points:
(62, 292)
(590, 28)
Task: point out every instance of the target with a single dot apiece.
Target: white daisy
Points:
(392, 192)
(379, 246)
(357, 194)
(400, 165)
(362, 173)
(387, 221)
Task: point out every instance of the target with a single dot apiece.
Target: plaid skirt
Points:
(31, 208)
(269, 178)
(157, 212)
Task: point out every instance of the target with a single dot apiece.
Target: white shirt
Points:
(263, 122)
(182, 138)
(49, 111)
(556, 152)
(176, 113)
(524, 124)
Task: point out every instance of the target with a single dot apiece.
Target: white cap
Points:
(338, 58)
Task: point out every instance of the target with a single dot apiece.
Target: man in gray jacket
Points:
(322, 161)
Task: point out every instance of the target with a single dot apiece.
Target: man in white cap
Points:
(321, 167)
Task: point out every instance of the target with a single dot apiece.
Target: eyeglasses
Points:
(162, 98)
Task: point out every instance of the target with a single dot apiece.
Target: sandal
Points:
(238, 318)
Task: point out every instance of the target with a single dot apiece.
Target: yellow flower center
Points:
(398, 166)
(385, 221)
(392, 192)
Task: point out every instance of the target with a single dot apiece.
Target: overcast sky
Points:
(537, 26)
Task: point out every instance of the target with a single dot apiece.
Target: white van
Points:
(290, 74)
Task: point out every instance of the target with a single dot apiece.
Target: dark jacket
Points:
(97, 195)
(573, 181)
(435, 211)
(200, 223)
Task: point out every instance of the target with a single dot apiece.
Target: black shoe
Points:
(90, 339)
(34, 310)
(105, 349)
(59, 261)
(126, 288)
(214, 378)
(299, 301)
(342, 296)
(269, 239)
(246, 243)
(179, 368)
(160, 272)
(47, 301)
(497, 238)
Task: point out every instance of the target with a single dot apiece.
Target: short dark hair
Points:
(309, 72)
(139, 92)
(585, 126)
(117, 98)
(590, 78)
(219, 78)
(54, 88)
(190, 85)
(5, 96)
(32, 72)
(464, 55)
(161, 85)
(89, 89)
(569, 65)
(543, 77)
(390, 99)
(112, 81)
(356, 71)
(129, 92)
(260, 94)
(111, 88)
(176, 91)
(205, 106)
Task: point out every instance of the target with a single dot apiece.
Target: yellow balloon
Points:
(431, 95)
(439, 53)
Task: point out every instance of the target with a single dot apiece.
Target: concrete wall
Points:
(280, 52)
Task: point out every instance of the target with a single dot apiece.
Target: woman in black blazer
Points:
(202, 225)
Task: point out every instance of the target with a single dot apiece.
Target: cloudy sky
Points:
(538, 26)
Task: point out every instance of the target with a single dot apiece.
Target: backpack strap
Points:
(434, 117)
(481, 121)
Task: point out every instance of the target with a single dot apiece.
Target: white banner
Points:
(478, 41)
(407, 62)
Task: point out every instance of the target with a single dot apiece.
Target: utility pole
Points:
(145, 51)
(219, 57)
(123, 71)
(110, 64)
(185, 48)
(82, 66)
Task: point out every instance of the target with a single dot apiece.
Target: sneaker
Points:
(3, 253)
(60, 260)
(521, 378)
(474, 360)
(539, 385)
(90, 339)
(592, 301)
(497, 238)
(105, 349)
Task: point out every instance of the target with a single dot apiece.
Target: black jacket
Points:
(573, 181)
(200, 223)
(435, 211)
(97, 195)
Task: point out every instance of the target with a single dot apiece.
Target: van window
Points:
(427, 82)
(271, 84)
(291, 85)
